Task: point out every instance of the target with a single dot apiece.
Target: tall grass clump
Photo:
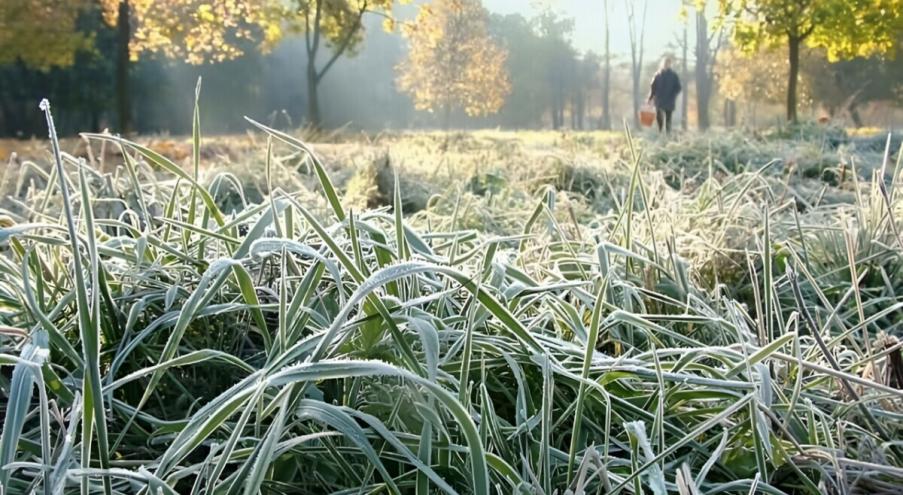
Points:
(152, 342)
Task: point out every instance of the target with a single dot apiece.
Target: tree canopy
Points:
(198, 31)
(843, 28)
(453, 62)
(845, 85)
(42, 33)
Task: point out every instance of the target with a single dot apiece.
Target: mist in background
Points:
(360, 92)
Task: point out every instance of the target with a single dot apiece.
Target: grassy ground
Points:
(546, 312)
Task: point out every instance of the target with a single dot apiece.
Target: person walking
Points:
(663, 92)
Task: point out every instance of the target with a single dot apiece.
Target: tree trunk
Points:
(313, 101)
(5, 123)
(730, 113)
(636, 98)
(606, 78)
(561, 113)
(446, 117)
(446, 125)
(853, 109)
(554, 112)
(561, 103)
(95, 120)
(684, 101)
(574, 111)
(581, 109)
(703, 82)
(794, 49)
(123, 37)
(702, 105)
(636, 55)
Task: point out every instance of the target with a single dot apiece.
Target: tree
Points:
(53, 49)
(637, 35)
(37, 37)
(707, 47)
(194, 30)
(42, 33)
(846, 85)
(585, 77)
(606, 74)
(684, 95)
(48, 33)
(453, 62)
(547, 74)
(844, 28)
(526, 62)
(682, 44)
(755, 78)
(335, 24)
(560, 56)
(123, 58)
(200, 31)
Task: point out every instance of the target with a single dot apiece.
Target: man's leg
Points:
(659, 117)
(668, 120)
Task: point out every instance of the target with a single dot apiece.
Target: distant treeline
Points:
(547, 74)
(269, 87)
(553, 85)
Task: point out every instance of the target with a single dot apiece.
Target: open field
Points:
(545, 313)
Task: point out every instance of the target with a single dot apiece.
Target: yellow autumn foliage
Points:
(199, 31)
(453, 61)
(42, 33)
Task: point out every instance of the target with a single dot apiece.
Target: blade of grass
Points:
(89, 323)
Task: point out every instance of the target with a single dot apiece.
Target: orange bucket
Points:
(647, 116)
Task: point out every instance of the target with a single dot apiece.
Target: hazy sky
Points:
(662, 23)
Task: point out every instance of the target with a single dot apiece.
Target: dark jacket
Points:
(664, 89)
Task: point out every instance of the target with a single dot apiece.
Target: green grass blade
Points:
(328, 189)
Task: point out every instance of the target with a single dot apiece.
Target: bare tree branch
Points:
(345, 43)
(317, 16)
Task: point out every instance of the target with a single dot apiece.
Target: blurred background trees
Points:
(191, 30)
(131, 65)
(843, 29)
(452, 62)
(337, 26)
